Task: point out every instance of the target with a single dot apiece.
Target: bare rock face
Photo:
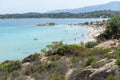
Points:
(103, 72)
(98, 74)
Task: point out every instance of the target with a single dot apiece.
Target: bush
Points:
(14, 75)
(14, 66)
(32, 58)
(75, 59)
(52, 70)
(9, 66)
(90, 44)
(75, 50)
(118, 59)
(54, 57)
(118, 62)
(51, 24)
(111, 77)
(99, 53)
(91, 60)
(112, 30)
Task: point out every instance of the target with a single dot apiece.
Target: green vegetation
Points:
(90, 44)
(75, 74)
(57, 59)
(91, 60)
(51, 24)
(52, 70)
(74, 50)
(47, 24)
(32, 58)
(112, 30)
(94, 14)
(111, 77)
(55, 66)
(9, 66)
(118, 59)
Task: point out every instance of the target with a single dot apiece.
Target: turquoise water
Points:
(17, 36)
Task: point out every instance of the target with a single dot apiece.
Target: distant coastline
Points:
(93, 14)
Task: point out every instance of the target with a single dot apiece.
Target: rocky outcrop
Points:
(29, 78)
(103, 72)
(108, 44)
(97, 73)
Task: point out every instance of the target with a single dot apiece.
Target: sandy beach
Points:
(94, 33)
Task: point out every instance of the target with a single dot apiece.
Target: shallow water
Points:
(18, 36)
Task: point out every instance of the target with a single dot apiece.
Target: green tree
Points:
(112, 29)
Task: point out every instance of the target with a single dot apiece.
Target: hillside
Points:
(94, 14)
(58, 61)
(115, 6)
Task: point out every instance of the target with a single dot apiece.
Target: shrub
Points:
(75, 59)
(118, 59)
(53, 70)
(51, 24)
(112, 30)
(5, 65)
(110, 55)
(111, 77)
(10, 66)
(57, 77)
(99, 53)
(86, 23)
(14, 66)
(14, 75)
(90, 44)
(75, 50)
(91, 60)
(54, 45)
(54, 57)
(51, 48)
(118, 62)
(31, 58)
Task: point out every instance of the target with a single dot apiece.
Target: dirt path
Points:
(68, 74)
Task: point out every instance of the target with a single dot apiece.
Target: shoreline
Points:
(88, 37)
(94, 32)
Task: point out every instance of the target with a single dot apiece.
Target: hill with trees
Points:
(112, 30)
(94, 14)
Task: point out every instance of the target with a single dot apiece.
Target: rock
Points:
(69, 72)
(97, 73)
(29, 78)
(108, 44)
(81, 75)
(26, 64)
(103, 72)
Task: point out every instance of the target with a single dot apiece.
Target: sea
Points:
(21, 37)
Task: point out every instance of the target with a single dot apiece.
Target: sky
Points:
(23, 6)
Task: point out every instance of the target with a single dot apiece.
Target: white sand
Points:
(94, 33)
